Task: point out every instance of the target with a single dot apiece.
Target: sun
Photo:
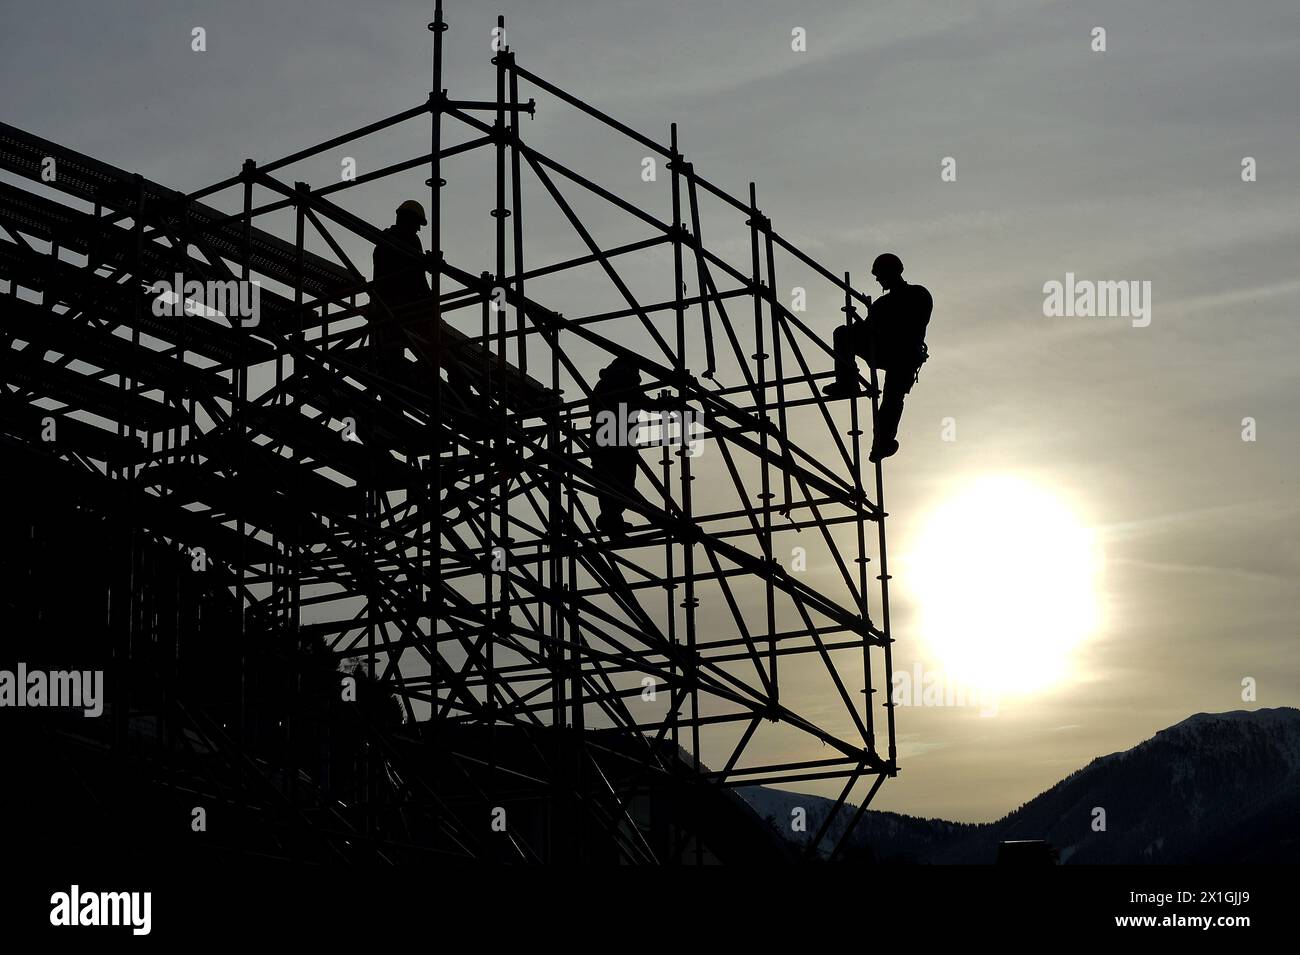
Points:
(1005, 580)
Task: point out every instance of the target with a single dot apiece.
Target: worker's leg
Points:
(386, 350)
(846, 364)
(849, 342)
(898, 382)
(617, 466)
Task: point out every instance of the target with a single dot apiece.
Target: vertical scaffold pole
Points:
(679, 366)
(883, 577)
(575, 633)
(577, 767)
(500, 618)
(433, 502)
(500, 212)
(493, 463)
(778, 325)
(690, 602)
(239, 413)
(293, 601)
(521, 334)
(859, 507)
(701, 279)
(756, 223)
(670, 586)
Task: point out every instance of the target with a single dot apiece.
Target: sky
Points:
(1115, 165)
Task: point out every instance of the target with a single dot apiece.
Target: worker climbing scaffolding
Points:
(892, 340)
(617, 401)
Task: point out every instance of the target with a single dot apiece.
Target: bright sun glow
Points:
(1005, 580)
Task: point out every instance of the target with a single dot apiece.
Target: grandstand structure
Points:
(281, 520)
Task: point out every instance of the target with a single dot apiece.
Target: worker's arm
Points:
(855, 315)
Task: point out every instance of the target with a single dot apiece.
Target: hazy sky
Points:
(1120, 165)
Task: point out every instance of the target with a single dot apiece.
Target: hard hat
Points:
(413, 208)
(887, 263)
(622, 365)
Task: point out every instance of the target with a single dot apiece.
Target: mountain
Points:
(1215, 788)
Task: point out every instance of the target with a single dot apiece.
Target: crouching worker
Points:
(891, 339)
(617, 401)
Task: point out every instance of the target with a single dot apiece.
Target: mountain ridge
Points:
(1214, 787)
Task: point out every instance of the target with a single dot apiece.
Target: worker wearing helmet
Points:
(399, 280)
(617, 401)
(891, 339)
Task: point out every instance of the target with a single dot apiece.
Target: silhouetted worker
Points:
(617, 401)
(399, 280)
(892, 338)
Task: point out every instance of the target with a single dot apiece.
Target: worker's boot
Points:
(841, 389)
(845, 384)
(883, 450)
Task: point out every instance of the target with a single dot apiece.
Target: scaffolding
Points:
(431, 520)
